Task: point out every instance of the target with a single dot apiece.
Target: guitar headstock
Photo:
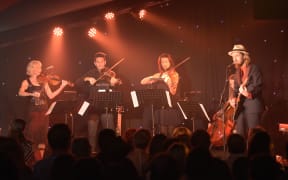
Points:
(119, 109)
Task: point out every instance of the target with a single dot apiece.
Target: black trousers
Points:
(246, 121)
(165, 120)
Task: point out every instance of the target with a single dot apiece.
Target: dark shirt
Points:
(84, 87)
(37, 103)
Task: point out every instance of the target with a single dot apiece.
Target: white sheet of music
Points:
(168, 99)
(184, 115)
(83, 108)
(204, 111)
(134, 99)
(51, 107)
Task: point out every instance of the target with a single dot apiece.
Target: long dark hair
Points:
(161, 70)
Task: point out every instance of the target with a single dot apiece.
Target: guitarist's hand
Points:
(244, 92)
(233, 102)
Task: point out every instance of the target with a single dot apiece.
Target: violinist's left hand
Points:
(64, 83)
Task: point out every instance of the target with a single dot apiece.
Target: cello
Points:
(219, 129)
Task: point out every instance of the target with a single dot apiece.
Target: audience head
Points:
(164, 166)
(200, 139)
(81, 147)
(260, 144)
(236, 144)
(141, 138)
(59, 137)
(157, 144)
(129, 134)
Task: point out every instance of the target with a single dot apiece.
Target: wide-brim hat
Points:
(238, 48)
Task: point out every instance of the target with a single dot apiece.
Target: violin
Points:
(109, 74)
(53, 80)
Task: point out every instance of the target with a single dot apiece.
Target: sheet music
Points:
(134, 99)
(204, 111)
(184, 115)
(51, 107)
(83, 108)
(168, 99)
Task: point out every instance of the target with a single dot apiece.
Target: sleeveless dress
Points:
(38, 123)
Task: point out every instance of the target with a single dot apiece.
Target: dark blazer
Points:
(254, 86)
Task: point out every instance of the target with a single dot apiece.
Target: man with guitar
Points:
(247, 95)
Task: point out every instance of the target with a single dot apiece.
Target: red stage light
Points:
(142, 13)
(58, 31)
(92, 32)
(109, 15)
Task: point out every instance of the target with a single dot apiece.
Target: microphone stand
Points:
(221, 106)
(224, 88)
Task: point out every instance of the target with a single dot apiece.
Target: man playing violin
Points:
(100, 70)
(99, 78)
(38, 93)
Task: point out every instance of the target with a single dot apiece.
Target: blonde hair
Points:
(31, 65)
(180, 131)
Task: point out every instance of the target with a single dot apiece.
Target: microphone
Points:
(230, 65)
(49, 67)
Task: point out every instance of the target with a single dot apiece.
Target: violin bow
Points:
(112, 67)
(182, 62)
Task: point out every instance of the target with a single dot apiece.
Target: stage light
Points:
(142, 13)
(92, 32)
(109, 15)
(58, 31)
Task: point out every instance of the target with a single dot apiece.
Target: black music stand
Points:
(105, 100)
(156, 98)
(192, 110)
(66, 107)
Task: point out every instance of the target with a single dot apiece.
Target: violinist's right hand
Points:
(91, 80)
(114, 81)
(35, 94)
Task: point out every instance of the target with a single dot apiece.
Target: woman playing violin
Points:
(167, 78)
(38, 92)
(166, 73)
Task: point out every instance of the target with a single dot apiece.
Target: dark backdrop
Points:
(204, 30)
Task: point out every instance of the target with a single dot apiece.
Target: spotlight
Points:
(58, 31)
(109, 15)
(142, 13)
(92, 32)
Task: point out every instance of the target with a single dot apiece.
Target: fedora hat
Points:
(238, 48)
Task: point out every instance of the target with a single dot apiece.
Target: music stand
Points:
(105, 100)
(192, 110)
(66, 107)
(156, 98)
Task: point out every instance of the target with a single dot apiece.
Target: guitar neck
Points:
(119, 121)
